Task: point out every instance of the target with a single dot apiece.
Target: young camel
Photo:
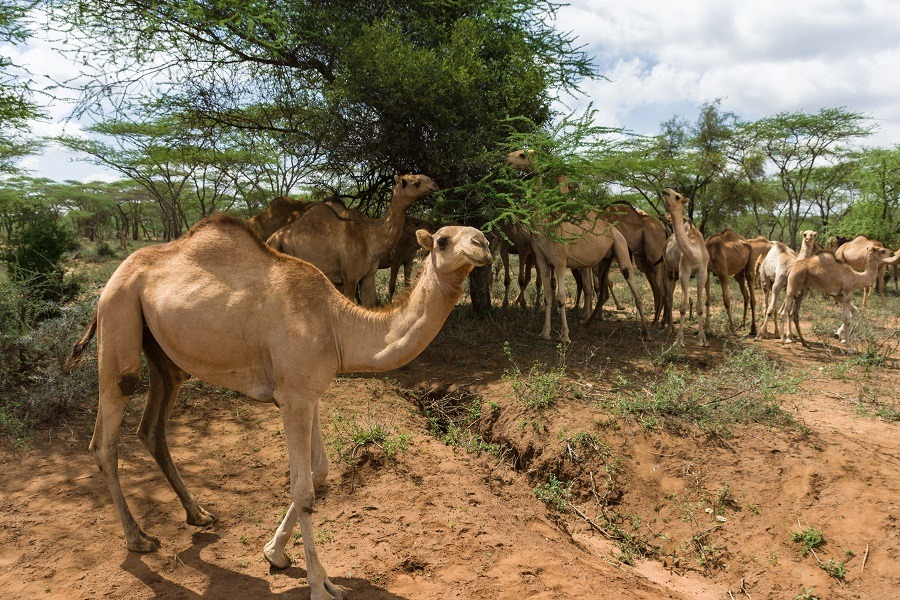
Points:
(823, 272)
(348, 250)
(694, 260)
(853, 254)
(773, 270)
(583, 246)
(221, 306)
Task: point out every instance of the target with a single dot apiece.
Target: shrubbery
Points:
(39, 323)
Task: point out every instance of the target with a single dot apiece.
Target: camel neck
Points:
(385, 339)
(388, 227)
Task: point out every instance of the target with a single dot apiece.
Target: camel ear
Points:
(426, 240)
(396, 179)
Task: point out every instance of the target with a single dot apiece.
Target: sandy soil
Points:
(441, 522)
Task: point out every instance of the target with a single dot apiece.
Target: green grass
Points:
(809, 539)
(743, 388)
(541, 386)
(353, 434)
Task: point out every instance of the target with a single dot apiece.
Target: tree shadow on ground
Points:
(226, 584)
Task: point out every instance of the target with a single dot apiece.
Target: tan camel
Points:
(693, 261)
(404, 253)
(646, 239)
(349, 250)
(853, 253)
(221, 306)
(584, 245)
(823, 272)
(773, 270)
(732, 255)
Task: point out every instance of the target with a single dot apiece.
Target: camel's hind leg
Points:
(702, 287)
(165, 382)
(119, 367)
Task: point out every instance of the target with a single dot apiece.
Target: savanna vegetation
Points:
(210, 107)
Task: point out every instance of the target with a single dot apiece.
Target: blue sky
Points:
(664, 59)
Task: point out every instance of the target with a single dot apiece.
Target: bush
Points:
(35, 389)
(34, 260)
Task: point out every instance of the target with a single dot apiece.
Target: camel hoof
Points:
(202, 518)
(336, 592)
(278, 559)
(144, 544)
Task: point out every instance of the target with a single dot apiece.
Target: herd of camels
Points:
(268, 308)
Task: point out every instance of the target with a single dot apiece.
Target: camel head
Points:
(882, 254)
(453, 248)
(521, 160)
(809, 237)
(409, 188)
(674, 201)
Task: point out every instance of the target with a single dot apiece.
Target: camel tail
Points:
(82, 344)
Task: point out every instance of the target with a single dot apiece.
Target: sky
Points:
(662, 59)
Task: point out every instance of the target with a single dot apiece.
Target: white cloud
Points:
(761, 57)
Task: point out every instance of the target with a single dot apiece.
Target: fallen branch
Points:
(593, 525)
(865, 558)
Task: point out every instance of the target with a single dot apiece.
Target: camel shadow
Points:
(226, 584)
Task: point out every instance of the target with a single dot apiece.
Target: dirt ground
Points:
(440, 521)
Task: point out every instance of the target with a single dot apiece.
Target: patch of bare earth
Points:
(438, 521)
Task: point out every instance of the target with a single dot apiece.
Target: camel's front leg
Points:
(702, 287)
(298, 411)
(274, 550)
(587, 281)
(543, 268)
(684, 278)
(367, 295)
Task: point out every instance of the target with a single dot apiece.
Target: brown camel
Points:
(853, 253)
(733, 255)
(404, 253)
(349, 249)
(823, 272)
(283, 211)
(221, 306)
(646, 239)
(515, 239)
(693, 260)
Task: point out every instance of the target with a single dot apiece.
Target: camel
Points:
(221, 306)
(515, 239)
(773, 269)
(583, 246)
(404, 253)
(853, 253)
(733, 255)
(646, 239)
(693, 260)
(283, 211)
(823, 272)
(349, 249)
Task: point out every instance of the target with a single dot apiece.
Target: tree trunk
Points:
(480, 281)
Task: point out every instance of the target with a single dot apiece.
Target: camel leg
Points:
(526, 262)
(367, 295)
(119, 367)
(274, 550)
(726, 300)
(543, 268)
(612, 294)
(165, 383)
(587, 278)
(504, 257)
(684, 278)
(392, 282)
(298, 411)
(708, 299)
(628, 274)
(579, 287)
(746, 284)
(559, 269)
(849, 312)
(702, 288)
(762, 330)
(796, 317)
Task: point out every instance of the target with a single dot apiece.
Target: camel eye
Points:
(442, 242)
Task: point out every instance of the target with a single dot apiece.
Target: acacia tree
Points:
(796, 144)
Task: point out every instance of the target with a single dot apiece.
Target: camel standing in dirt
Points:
(646, 239)
(584, 245)
(404, 253)
(515, 239)
(732, 255)
(348, 250)
(853, 253)
(823, 272)
(693, 260)
(221, 306)
(773, 270)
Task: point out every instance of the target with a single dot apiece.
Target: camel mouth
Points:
(480, 260)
